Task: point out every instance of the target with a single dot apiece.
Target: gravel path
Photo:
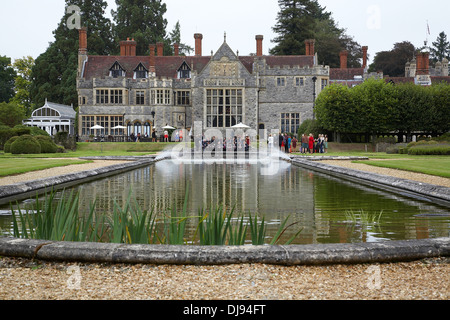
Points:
(54, 172)
(35, 280)
(420, 280)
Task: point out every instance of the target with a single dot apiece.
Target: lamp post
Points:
(314, 79)
(153, 127)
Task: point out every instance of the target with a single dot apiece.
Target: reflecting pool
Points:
(317, 203)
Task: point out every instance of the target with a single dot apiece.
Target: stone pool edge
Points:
(313, 254)
(399, 185)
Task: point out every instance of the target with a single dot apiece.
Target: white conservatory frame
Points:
(53, 118)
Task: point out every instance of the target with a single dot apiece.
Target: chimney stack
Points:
(259, 45)
(309, 44)
(343, 56)
(152, 54)
(176, 49)
(128, 47)
(82, 33)
(423, 63)
(198, 44)
(160, 49)
(364, 49)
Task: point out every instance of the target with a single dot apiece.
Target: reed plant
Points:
(365, 218)
(56, 220)
(59, 220)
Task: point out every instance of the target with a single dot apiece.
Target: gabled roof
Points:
(167, 66)
(63, 110)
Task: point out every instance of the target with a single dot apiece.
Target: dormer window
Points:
(116, 71)
(140, 72)
(184, 72)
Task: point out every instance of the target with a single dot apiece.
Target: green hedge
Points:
(25, 144)
(47, 144)
(7, 146)
(431, 149)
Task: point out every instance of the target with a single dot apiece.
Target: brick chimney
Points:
(198, 44)
(259, 45)
(128, 47)
(309, 45)
(365, 49)
(160, 49)
(82, 33)
(344, 55)
(176, 49)
(423, 63)
(152, 54)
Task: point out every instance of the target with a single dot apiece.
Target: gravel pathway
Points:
(419, 280)
(22, 279)
(54, 172)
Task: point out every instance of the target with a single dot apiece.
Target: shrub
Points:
(397, 148)
(444, 137)
(26, 144)
(47, 144)
(7, 146)
(431, 149)
(421, 142)
(62, 138)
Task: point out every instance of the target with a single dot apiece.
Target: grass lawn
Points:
(87, 149)
(432, 165)
(11, 166)
(15, 164)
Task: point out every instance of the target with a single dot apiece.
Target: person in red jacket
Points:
(311, 143)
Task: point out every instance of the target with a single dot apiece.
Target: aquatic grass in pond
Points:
(58, 220)
(365, 218)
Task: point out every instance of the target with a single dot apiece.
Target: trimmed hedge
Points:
(47, 144)
(26, 144)
(7, 146)
(431, 149)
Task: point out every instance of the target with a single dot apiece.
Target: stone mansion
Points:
(219, 90)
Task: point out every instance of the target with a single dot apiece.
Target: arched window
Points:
(147, 129)
(137, 128)
(129, 129)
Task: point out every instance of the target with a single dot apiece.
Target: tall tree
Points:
(440, 48)
(142, 20)
(7, 75)
(175, 37)
(393, 62)
(22, 81)
(54, 72)
(299, 20)
(296, 22)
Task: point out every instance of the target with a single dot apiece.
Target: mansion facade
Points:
(219, 90)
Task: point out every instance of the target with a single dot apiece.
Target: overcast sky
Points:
(26, 25)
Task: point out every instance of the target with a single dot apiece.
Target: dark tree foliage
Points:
(299, 20)
(143, 21)
(55, 70)
(393, 62)
(7, 76)
(440, 48)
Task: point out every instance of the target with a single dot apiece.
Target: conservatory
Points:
(53, 118)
